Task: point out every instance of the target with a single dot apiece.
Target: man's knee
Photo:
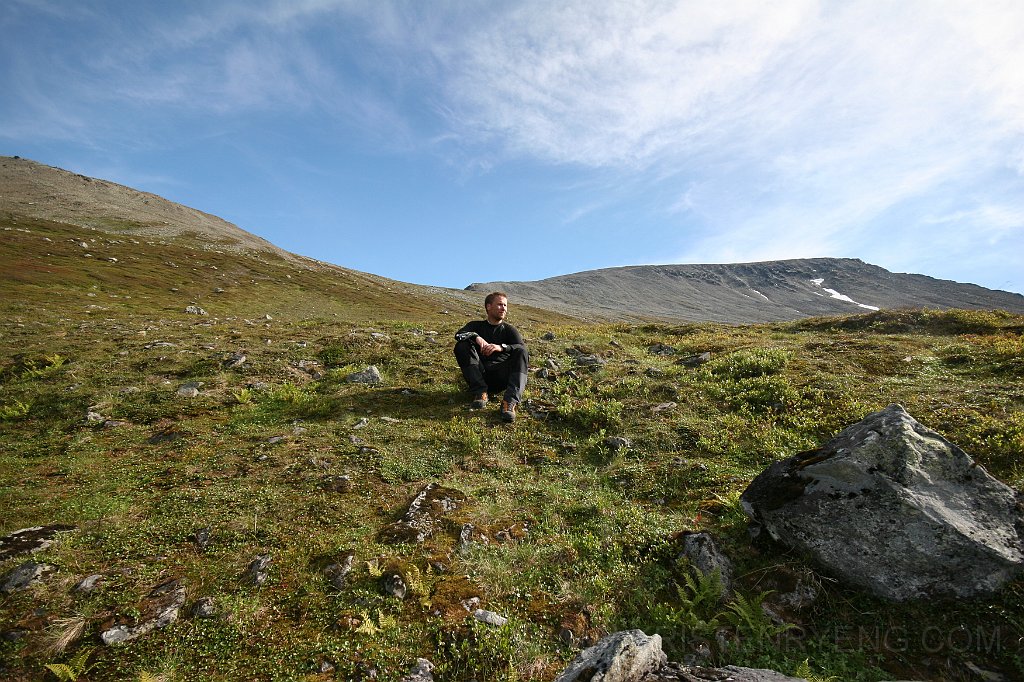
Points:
(516, 354)
(466, 350)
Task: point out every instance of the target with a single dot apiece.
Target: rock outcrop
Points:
(626, 656)
(892, 507)
(633, 656)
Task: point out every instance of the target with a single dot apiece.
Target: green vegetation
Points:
(571, 538)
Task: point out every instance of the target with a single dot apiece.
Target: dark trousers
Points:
(499, 372)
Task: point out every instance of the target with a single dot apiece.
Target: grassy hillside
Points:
(570, 537)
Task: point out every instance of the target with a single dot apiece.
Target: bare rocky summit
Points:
(770, 291)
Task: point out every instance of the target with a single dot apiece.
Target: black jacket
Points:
(501, 333)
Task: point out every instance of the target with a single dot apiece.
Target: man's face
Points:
(496, 309)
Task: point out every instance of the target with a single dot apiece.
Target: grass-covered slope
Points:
(570, 537)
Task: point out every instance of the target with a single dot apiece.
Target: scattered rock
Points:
(617, 442)
(425, 511)
(590, 361)
(894, 508)
(195, 310)
(88, 584)
(552, 364)
(337, 484)
(235, 360)
(336, 572)
(620, 657)
(190, 389)
(30, 540)
(394, 584)
(257, 572)
(24, 576)
(113, 424)
(705, 557)
(421, 672)
(361, 423)
(92, 417)
(489, 618)
(370, 375)
(548, 336)
(661, 349)
(662, 407)
(201, 538)
(167, 435)
(274, 440)
(632, 656)
(205, 607)
(695, 360)
(158, 610)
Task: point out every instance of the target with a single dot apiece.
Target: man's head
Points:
(496, 305)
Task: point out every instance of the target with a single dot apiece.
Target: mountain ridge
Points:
(768, 291)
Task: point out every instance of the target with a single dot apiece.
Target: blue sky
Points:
(454, 142)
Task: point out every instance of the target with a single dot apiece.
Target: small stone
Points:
(189, 390)
(30, 541)
(338, 571)
(421, 672)
(201, 537)
(94, 417)
(274, 440)
(617, 442)
(88, 584)
(257, 573)
(695, 360)
(590, 361)
(235, 360)
(661, 349)
(205, 607)
(195, 310)
(370, 375)
(489, 618)
(394, 585)
(548, 336)
(23, 576)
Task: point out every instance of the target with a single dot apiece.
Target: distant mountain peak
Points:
(766, 291)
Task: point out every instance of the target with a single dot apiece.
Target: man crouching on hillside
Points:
(493, 357)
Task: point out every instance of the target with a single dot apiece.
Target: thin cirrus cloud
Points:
(722, 131)
(803, 123)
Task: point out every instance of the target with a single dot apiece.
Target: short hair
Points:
(493, 295)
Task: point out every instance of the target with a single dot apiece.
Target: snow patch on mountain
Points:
(841, 297)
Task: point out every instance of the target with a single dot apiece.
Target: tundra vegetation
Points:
(563, 530)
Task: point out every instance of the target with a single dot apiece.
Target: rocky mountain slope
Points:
(34, 190)
(747, 292)
(219, 494)
(87, 243)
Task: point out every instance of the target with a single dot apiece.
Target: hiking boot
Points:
(508, 411)
(480, 402)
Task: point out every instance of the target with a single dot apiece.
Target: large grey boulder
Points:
(626, 656)
(892, 507)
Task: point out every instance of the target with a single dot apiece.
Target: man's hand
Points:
(487, 349)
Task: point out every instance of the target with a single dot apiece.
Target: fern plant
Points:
(15, 410)
(751, 620)
(74, 668)
(804, 671)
